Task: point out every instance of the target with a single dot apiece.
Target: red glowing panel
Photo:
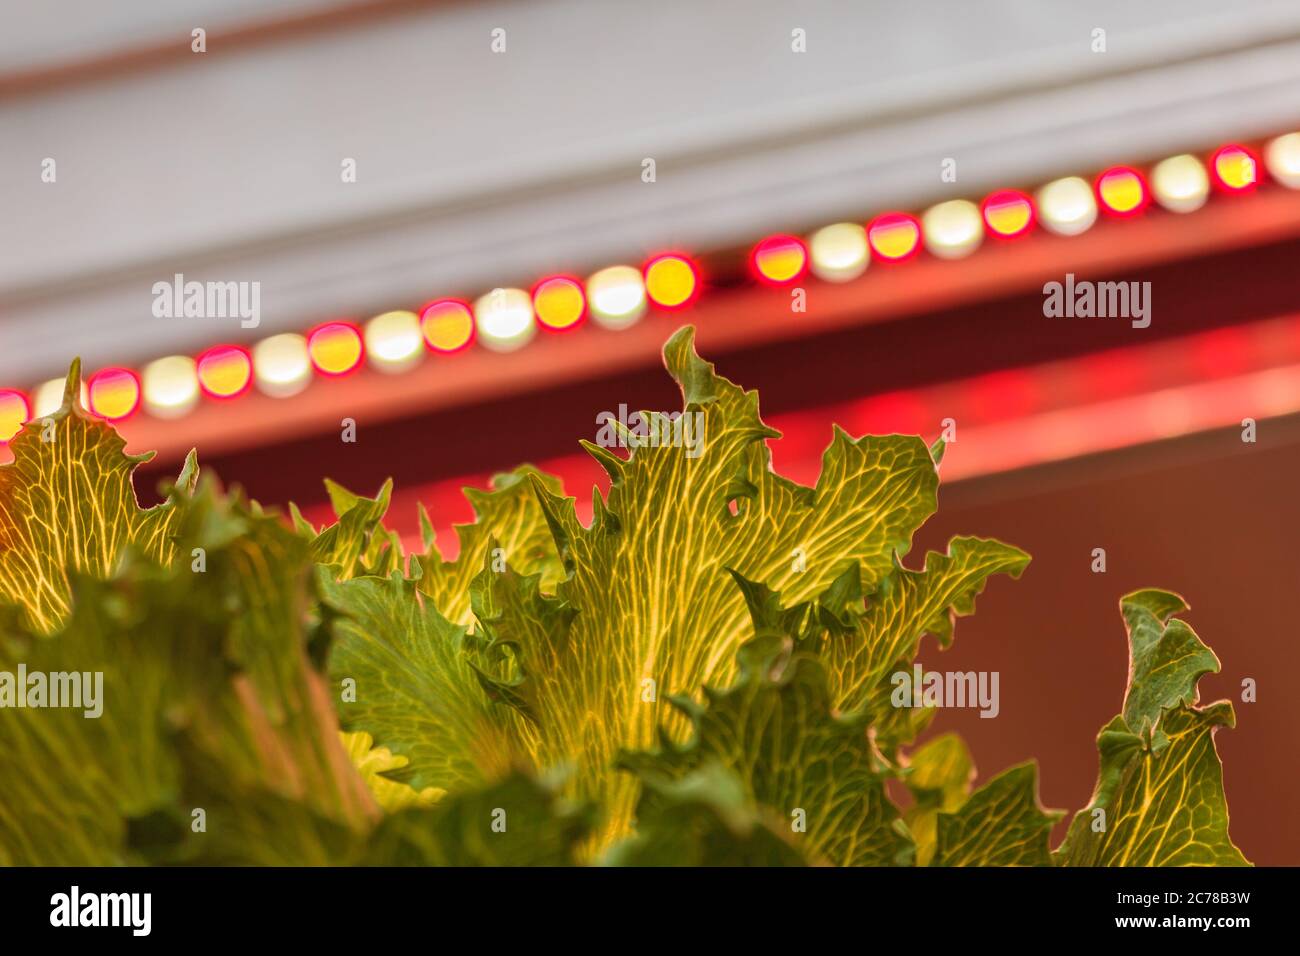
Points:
(1236, 169)
(225, 371)
(14, 411)
(672, 281)
(559, 302)
(447, 325)
(894, 236)
(113, 393)
(779, 260)
(335, 348)
(1008, 213)
(1123, 191)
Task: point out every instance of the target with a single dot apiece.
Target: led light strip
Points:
(619, 296)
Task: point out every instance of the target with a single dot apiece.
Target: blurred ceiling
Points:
(478, 169)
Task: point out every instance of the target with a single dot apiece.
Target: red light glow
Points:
(114, 393)
(559, 303)
(1008, 213)
(15, 410)
(779, 260)
(1123, 191)
(894, 236)
(1236, 169)
(335, 348)
(224, 371)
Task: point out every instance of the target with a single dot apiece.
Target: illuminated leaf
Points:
(656, 612)
(1159, 799)
(415, 689)
(67, 504)
(939, 776)
(357, 543)
(518, 821)
(209, 701)
(1001, 824)
(374, 762)
(507, 517)
(703, 819)
(775, 731)
(907, 605)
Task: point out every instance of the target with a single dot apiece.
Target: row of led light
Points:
(618, 296)
(283, 365)
(1067, 207)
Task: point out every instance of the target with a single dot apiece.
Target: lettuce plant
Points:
(700, 675)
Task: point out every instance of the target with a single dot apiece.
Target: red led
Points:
(672, 281)
(1123, 191)
(113, 393)
(15, 411)
(447, 325)
(1008, 213)
(779, 260)
(335, 348)
(894, 236)
(1236, 169)
(224, 371)
(559, 303)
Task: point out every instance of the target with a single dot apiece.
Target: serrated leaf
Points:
(358, 543)
(1159, 798)
(775, 730)
(67, 505)
(522, 633)
(415, 689)
(907, 605)
(1001, 824)
(939, 775)
(507, 516)
(649, 578)
(374, 762)
(705, 818)
(208, 695)
(518, 821)
(1166, 658)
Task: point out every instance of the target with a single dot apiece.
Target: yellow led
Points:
(671, 282)
(559, 303)
(448, 325)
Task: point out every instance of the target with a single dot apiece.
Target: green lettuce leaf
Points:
(939, 775)
(517, 821)
(705, 818)
(508, 517)
(1000, 824)
(400, 672)
(1159, 798)
(210, 702)
(67, 505)
(648, 580)
(775, 730)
